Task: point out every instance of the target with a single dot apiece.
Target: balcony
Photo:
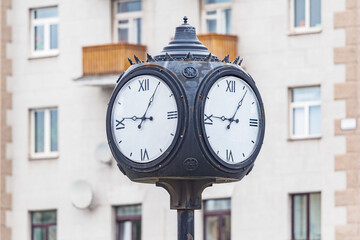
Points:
(220, 44)
(102, 64)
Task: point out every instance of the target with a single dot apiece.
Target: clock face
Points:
(232, 119)
(144, 118)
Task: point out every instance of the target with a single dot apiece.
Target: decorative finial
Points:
(131, 62)
(137, 59)
(185, 19)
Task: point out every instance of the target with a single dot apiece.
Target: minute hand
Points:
(150, 101)
(237, 108)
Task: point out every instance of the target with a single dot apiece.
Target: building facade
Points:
(63, 62)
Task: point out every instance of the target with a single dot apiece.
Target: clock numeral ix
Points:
(208, 120)
(230, 86)
(253, 122)
(172, 115)
(144, 85)
(144, 154)
(120, 124)
(229, 155)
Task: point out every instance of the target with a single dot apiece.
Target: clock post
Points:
(185, 120)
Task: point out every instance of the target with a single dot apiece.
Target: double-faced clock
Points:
(231, 118)
(145, 117)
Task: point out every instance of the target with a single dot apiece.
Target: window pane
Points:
(216, 1)
(38, 234)
(39, 131)
(228, 20)
(211, 228)
(298, 121)
(53, 36)
(217, 204)
(129, 6)
(46, 12)
(299, 12)
(315, 216)
(138, 30)
(52, 233)
(306, 94)
(39, 38)
(300, 216)
(134, 210)
(315, 13)
(314, 120)
(211, 25)
(44, 217)
(125, 231)
(136, 230)
(54, 129)
(123, 34)
(225, 227)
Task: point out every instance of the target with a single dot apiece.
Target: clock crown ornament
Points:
(185, 120)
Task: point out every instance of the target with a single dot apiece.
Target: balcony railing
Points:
(220, 44)
(110, 58)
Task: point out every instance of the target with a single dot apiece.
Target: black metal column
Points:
(185, 224)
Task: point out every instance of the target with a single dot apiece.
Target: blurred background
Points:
(59, 62)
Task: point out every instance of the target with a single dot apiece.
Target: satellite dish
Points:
(103, 153)
(81, 194)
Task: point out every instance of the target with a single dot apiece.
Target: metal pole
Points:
(185, 224)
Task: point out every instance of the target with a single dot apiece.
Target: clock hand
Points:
(134, 118)
(237, 108)
(150, 101)
(223, 118)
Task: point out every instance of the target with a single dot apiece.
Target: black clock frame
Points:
(180, 97)
(204, 89)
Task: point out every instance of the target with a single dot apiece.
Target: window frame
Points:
(218, 213)
(306, 105)
(46, 22)
(130, 16)
(307, 29)
(131, 218)
(42, 225)
(292, 196)
(219, 8)
(47, 154)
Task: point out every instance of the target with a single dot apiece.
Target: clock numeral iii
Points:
(229, 155)
(254, 122)
(144, 154)
(208, 120)
(172, 115)
(230, 86)
(144, 85)
(120, 124)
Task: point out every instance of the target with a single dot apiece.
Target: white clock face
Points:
(232, 119)
(144, 118)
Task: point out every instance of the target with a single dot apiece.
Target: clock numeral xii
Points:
(144, 85)
(230, 86)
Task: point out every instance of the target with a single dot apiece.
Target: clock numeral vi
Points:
(253, 122)
(120, 124)
(144, 85)
(230, 86)
(144, 154)
(208, 120)
(229, 155)
(172, 115)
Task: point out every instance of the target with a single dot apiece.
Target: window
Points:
(216, 16)
(44, 132)
(217, 219)
(305, 112)
(128, 21)
(128, 221)
(43, 225)
(44, 31)
(305, 15)
(306, 216)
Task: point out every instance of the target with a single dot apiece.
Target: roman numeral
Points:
(172, 115)
(253, 122)
(120, 124)
(144, 85)
(144, 154)
(208, 120)
(230, 86)
(229, 155)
